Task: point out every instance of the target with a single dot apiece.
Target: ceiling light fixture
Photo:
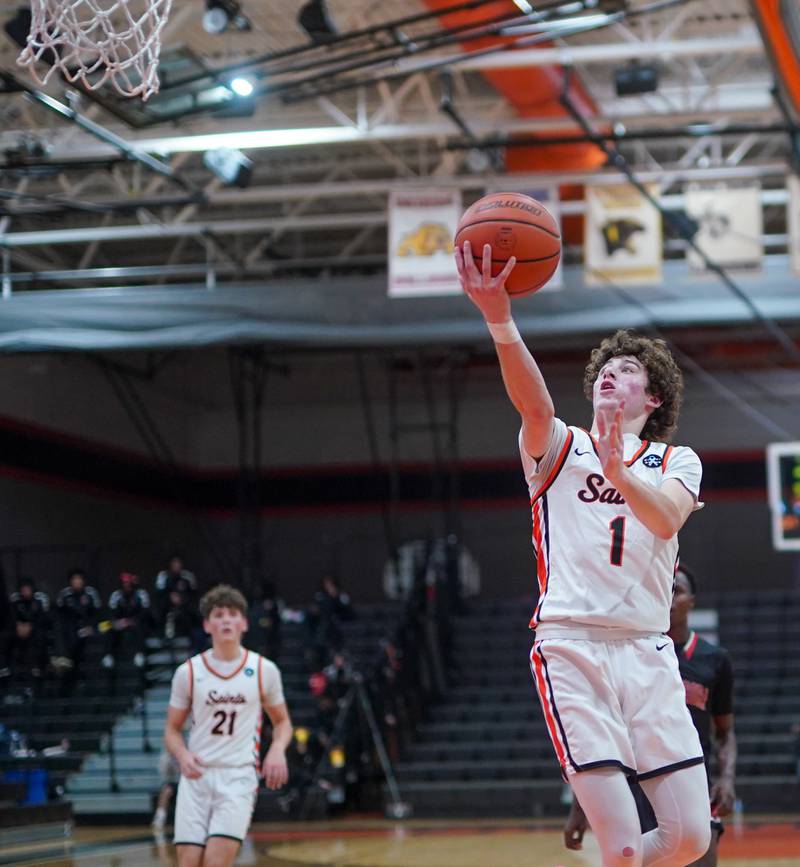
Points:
(242, 86)
(221, 15)
(315, 19)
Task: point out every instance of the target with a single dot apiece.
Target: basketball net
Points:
(92, 42)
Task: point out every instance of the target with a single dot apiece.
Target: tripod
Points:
(396, 809)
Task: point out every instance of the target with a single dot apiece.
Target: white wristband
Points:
(504, 332)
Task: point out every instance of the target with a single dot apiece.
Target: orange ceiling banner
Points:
(783, 52)
(534, 93)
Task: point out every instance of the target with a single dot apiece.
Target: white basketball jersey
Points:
(597, 565)
(226, 711)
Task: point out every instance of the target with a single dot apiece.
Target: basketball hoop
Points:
(91, 42)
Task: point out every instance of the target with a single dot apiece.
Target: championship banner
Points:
(622, 236)
(731, 225)
(794, 222)
(548, 196)
(422, 224)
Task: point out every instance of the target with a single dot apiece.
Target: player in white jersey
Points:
(607, 505)
(225, 692)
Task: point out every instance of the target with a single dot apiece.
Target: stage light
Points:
(635, 78)
(230, 166)
(242, 86)
(223, 14)
(315, 19)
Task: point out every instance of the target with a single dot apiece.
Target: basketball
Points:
(514, 225)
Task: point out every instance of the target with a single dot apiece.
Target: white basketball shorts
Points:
(218, 804)
(615, 703)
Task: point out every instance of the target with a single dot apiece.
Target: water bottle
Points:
(737, 820)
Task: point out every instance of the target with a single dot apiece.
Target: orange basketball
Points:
(514, 225)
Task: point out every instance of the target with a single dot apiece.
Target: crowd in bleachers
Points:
(42, 636)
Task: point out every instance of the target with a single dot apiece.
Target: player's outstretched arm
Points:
(523, 380)
(274, 769)
(192, 766)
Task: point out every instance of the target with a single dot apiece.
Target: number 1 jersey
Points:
(597, 565)
(226, 700)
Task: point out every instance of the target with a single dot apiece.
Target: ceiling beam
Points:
(617, 52)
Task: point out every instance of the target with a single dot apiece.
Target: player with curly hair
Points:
(607, 504)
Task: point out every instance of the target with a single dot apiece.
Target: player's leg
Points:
(192, 817)
(220, 852)
(190, 855)
(710, 858)
(232, 802)
(606, 799)
(680, 802)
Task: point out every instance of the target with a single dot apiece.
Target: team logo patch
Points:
(249, 672)
(652, 461)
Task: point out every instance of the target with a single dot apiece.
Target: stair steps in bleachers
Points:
(483, 748)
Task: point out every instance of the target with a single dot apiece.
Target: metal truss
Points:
(324, 166)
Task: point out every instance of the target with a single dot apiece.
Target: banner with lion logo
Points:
(422, 224)
(622, 236)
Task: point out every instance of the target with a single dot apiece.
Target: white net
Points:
(92, 42)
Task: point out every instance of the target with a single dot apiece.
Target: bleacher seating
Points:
(484, 749)
(137, 780)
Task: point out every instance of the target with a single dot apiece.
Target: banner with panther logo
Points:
(547, 196)
(730, 220)
(422, 224)
(622, 238)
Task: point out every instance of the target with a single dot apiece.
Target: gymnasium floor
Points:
(767, 842)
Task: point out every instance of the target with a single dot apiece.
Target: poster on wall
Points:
(794, 222)
(422, 224)
(731, 225)
(622, 236)
(548, 196)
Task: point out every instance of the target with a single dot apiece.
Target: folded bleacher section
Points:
(483, 750)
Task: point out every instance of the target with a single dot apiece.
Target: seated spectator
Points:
(338, 676)
(176, 592)
(329, 608)
(174, 578)
(264, 632)
(129, 608)
(6, 625)
(26, 641)
(77, 609)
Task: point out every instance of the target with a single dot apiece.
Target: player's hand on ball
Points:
(274, 770)
(192, 766)
(487, 293)
(609, 441)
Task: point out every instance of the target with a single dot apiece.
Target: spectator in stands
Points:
(26, 641)
(386, 691)
(329, 608)
(338, 676)
(175, 578)
(77, 609)
(129, 608)
(6, 622)
(176, 591)
(264, 634)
